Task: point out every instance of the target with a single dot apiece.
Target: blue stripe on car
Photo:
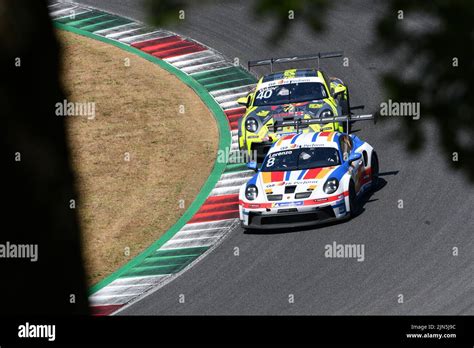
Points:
(339, 172)
(303, 172)
(294, 138)
(253, 180)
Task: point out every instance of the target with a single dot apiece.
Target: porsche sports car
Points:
(290, 95)
(308, 178)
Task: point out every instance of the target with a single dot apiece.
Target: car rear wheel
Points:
(344, 102)
(344, 127)
(374, 166)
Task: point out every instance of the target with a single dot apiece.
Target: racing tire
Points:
(345, 106)
(245, 228)
(353, 203)
(374, 166)
(249, 230)
(344, 127)
(346, 110)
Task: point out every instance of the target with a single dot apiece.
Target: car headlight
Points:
(251, 125)
(251, 192)
(331, 185)
(327, 113)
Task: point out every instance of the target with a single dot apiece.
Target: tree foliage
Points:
(441, 58)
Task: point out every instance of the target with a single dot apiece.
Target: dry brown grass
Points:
(129, 204)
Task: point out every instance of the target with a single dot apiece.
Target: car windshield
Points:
(290, 93)
(302, 158)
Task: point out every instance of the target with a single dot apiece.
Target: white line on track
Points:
(235, 223)
(197, 231)
(69, 14)
(225, 190)
(122, 34)
(195, 58)
(188, 59)
(123, 290)
(112, 300)
(230, 97)
(243, 174)
(141, 280)
(207, 67)
(157, 34)
(128, 27)
(64, 12)
(231, 182)
(229, 105)
(189, 243)
(232, 90)
(57, 4)
(206, 225)
(214, 232)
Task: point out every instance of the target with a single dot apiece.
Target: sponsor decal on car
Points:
(286, 204)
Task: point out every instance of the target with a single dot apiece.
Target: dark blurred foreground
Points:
(38, 182)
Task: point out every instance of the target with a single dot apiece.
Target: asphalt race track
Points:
(408, 251)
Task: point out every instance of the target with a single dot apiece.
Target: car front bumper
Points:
(292, 216)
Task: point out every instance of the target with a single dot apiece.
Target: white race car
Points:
(308, 178)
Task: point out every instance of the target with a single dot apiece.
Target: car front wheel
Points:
(353, 204)
(374, 165)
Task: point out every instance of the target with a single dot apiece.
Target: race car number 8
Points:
(271, 162)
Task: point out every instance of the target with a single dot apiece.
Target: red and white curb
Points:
(219, 214)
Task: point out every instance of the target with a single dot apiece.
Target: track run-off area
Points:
(223, 82)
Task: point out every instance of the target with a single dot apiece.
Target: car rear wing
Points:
(303, 123)
(271, 61)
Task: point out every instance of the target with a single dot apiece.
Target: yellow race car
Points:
(288, 97)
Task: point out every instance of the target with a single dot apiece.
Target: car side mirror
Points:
(243, 101)
(354, 157)
(252, 165)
